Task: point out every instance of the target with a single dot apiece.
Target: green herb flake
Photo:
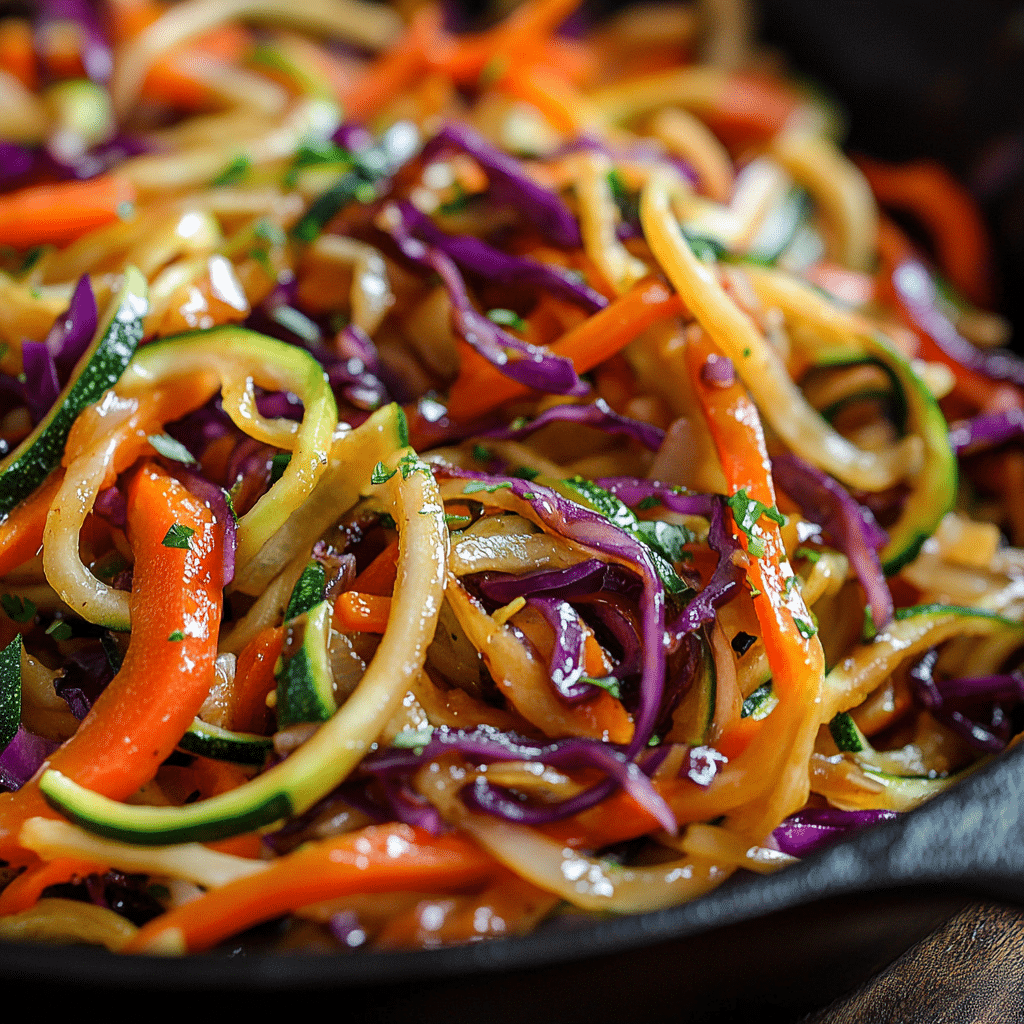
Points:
(530, 495)
(176, 637)
(412, 463)
(869, 630)
(381, 474)
(806, 629)
(481, 454)
(609, 683)
(746, 511)
(18, 609)
(475, 486)
(645, 504)
(387, 521)
(278, 464)
(754, 592)
(526, 473)
(787, 589)
(169, 448)
(454, 522)
(235, 171)
(177, 536)
(746, 353)
(810, 554)
(506, 318)
(59, 630)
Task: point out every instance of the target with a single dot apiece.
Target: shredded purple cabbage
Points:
(528, 364)
(597, 414)
(478, 257)
(485, 745)
(593, 530)
(22, 757)
(633, 491)
(961, 703)
(916, 289)
(988, 430)
(566, 667)
(581, 580)
(725, 583)
(48, 364)
(849, 525)
(511, 184)
(97, 57)
(816, 827)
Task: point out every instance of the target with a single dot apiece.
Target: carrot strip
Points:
(24, 891)
(362, 613)
(421, 46)
(379, 576)
(22, 535)
(480, 386)
(61, 212)
(379, 858)
(774, 754)
(254, 679)
(947, 212)
(175, 608)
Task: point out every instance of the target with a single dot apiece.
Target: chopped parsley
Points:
(233, 173)
(177, 636)
(506, 318)
(747, 511)
(453, 521)
(807, 629)
(18, 609)
(481, 454)
(651, 501)
(475, 486)
(381, 474)
(59, 630)
(177, 536)
(609, 683)
(810, 554)
(870, 630)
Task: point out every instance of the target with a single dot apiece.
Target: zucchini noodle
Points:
(465, 474)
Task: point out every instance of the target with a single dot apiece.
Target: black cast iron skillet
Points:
(920, 77)
(792, 939)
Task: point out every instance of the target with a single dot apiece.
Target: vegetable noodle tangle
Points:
(452, 477)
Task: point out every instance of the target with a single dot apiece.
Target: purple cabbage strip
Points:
(936, 696)
(478, 257)
(485, 745)
(217, 500)
(589, 528)
(511, 184)
(97, 57)
(111, 505)
(916, 289)
(725, 583)
(633, 491)
(849, 525)
(409, 807)
(528, 364)
(48, 364)
(597, 414)
(816, 827)
(986, 431)
(566, 666)
(579, 580)
(22, 757)
(73, 330)
(41, 386)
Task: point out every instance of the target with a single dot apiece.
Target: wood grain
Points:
(968, 971)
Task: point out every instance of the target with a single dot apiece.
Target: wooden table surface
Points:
(968, 971)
